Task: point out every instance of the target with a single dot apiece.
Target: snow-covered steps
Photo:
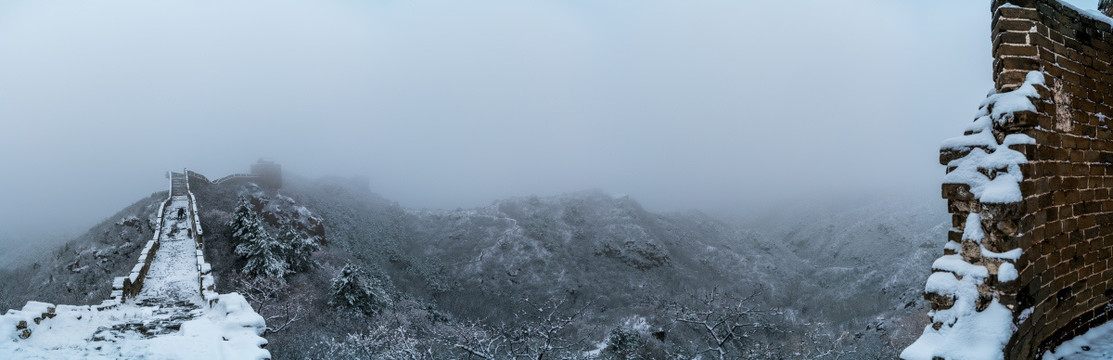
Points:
(173, 273)
(178, 184)
(228, 330)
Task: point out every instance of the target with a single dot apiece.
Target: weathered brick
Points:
(1015, 13)
(1008, 49)
(1065, 222)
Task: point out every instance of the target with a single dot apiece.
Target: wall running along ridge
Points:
(125, 287)
(1028, 263)
(266, 174)
(205, 280)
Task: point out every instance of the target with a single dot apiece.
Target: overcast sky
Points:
(442, 104)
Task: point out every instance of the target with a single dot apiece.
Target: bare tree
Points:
(405, 331)
(269, 296)
(384, 340)
(478, 342)
(381, 341)
(723, 321)
(551, 334)
(817, 345)
(541, 331)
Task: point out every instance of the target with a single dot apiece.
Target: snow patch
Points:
(1090, 13)
(973, 231)
(1013, 254)
(958, 266)
(1007, 272)
(975, 336)
(992, 171)
(1094, 344)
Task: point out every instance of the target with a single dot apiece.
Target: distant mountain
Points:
(854, 274)
(591, 245)
(864, 261)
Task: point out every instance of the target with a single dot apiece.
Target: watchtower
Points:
(269, 174)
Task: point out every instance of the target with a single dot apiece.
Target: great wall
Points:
(166, 307)
(1028, 186)
(1028, 263)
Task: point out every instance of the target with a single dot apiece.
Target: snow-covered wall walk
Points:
(167, 308)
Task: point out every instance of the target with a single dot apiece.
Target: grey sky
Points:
(681, 104)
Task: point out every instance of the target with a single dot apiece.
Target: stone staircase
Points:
(178, 184)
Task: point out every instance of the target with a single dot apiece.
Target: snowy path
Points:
(168, 319)
(173, 274)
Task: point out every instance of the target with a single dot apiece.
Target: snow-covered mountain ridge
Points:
(854, 274)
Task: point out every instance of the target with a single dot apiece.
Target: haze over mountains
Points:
(735, 146)
(681, 106)
(850, 274)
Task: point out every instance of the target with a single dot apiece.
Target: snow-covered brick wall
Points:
(205, 281)
(968, 319)
(130, 285)
(1029, 187)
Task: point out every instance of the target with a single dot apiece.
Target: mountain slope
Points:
(587, 244)
(852, 275)
(81, 271)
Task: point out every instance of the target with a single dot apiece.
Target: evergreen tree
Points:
(300, 248)
(264, 256)
(245, 222)
(624, 343)
(1106, 7)
(352, 288)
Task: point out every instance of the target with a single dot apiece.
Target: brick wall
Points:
(1064, 225)
(125, 287)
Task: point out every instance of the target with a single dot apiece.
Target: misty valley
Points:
(339, 272)
(536, 180)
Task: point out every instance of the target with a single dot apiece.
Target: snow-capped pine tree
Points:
(300, 248)
(624, 343)
(1106, 7)
(264, 255)
(353, 288)
(347, 288)
(245, 222)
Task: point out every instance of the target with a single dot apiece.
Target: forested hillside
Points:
(585, 275)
